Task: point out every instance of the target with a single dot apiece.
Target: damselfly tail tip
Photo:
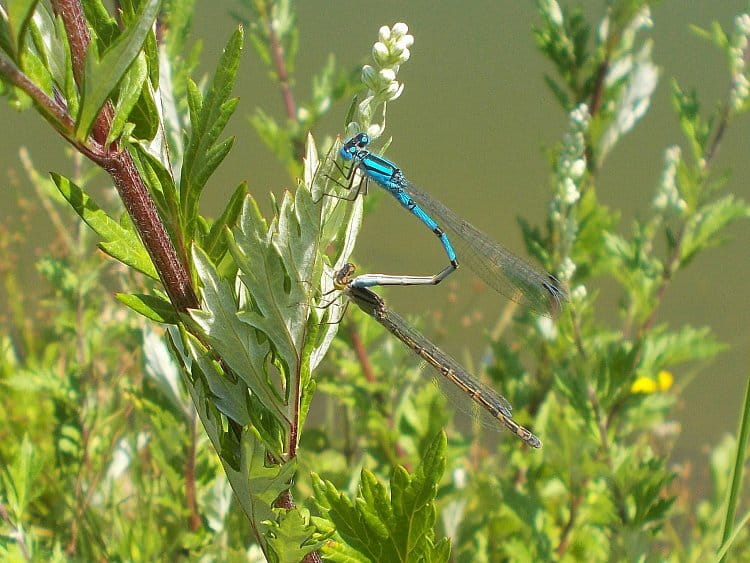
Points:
(557, 295)
(534, 442)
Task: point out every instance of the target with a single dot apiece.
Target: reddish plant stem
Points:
(52, 109)
(562, 547)
(277, 52)
(119, 164)
(141, 208)
(359, 350)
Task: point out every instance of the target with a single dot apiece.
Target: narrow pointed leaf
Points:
(130, 91)
(150, 306)
(208, 118)
(120, 243)
(19, 15)
(105, 73)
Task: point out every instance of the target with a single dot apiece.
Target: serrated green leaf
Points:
(261, 484)
(255, 484)
(151, 307)
(208, 118)
(120, 243)
(703, 228)
(103, 74)
(236, 342)
(291, 536)
(280, 265)
(397, 529)
(228, 395)
(663, 349)
(348, 522)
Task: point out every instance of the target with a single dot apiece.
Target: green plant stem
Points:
(17, 535)
(734, 490)
(194, 519)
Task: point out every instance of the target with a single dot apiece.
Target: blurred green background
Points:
(472, 127)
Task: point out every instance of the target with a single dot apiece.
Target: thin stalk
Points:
(736, 484)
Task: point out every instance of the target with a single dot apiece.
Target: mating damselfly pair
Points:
(497, 266)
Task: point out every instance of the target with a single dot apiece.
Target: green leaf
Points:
(145, 114)
(276, 266)
(291, 536)
(208, 118)
(120, 243)
(103, 74)
(19, 15)
(215, 243)
(259, 484)
(105, 26)
(50, 42)
(6, 44)
(663, 349)
(37, 71)
(68, 83)
(150, 306)
(703, 228)
(160, 183)
(130, 91)
(255, 483)
(235, 341)
(19, 479)
(399, 528)
(229, 395)
(696, 129)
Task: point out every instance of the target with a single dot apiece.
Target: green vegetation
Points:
(173, 422)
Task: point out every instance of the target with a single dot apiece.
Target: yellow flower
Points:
(643, 384)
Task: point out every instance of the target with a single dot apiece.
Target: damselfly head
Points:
(342, 278)
(362, 140)
(350, 148)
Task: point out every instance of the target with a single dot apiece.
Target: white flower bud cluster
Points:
(552, 10)
(667, 198)
(571, 164)
(740, 84)
(389, 53)
(570, 172)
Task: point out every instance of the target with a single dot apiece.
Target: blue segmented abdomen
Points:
(404, 199)
(386, 174)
